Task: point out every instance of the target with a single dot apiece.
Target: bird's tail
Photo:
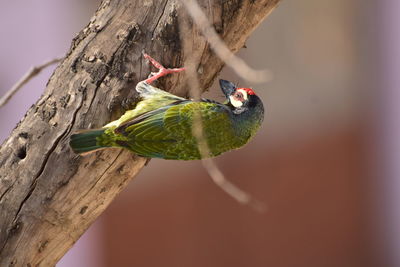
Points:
(86, 141)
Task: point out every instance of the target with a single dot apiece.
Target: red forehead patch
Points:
(249, 91)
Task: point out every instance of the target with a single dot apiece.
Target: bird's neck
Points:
(247, 121)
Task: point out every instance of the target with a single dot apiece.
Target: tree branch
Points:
(26, 78)
(195, 93)
(220, 49)
(48, 195)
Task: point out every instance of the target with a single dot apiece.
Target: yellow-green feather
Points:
(161, 126)
(152, 98)
(167, 132)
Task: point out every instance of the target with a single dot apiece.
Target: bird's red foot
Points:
(162, 71)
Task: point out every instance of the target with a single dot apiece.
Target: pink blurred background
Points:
(326, 161)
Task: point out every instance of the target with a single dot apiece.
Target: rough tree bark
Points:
(48, 195)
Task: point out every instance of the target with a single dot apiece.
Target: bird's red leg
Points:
(161, 70)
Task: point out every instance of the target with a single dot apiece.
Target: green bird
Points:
(161, 124)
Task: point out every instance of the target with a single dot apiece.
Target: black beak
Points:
(227, 87)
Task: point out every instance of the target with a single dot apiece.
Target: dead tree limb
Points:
(50, 196)
(25, 79)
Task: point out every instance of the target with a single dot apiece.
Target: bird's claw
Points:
(162, 71)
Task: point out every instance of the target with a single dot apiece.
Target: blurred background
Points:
(325, 161)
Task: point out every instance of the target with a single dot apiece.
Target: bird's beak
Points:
(227, 87)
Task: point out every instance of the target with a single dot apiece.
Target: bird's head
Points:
(241, 99)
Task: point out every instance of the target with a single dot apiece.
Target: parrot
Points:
(161, 124)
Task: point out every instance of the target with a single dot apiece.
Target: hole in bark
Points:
(83, 210)
(23, 135)
(43, 245)
(16, 228)
(21, 152)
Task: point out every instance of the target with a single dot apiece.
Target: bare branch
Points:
(219, 47)
(209, 164)
(26, 78)
(238, 194)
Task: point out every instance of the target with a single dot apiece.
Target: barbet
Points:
(161, 124)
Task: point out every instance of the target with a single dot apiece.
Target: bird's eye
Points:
(238, 96)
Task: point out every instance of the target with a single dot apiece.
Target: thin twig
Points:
(220, 48)
(241, 196)
(209, 164)
(26, 78)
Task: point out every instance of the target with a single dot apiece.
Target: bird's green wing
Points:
(147, 91)
(217, 126)
(167, 132)
(152, 98)
(145, 134)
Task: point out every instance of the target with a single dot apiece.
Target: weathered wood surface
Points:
(50, 196)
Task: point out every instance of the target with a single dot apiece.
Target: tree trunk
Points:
(48, 195)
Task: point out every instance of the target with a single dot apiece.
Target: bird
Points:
(161, 125)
